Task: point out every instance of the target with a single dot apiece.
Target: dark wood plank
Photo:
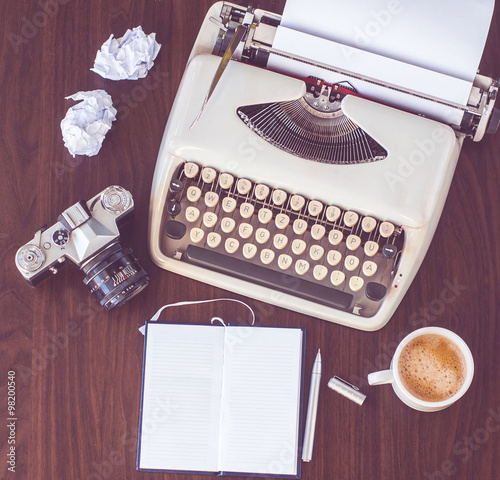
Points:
(78, 368)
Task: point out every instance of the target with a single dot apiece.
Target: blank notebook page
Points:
(181, 403)
(261, 400)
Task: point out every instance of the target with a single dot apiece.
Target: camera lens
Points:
(114, 276)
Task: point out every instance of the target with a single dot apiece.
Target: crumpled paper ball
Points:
(127, 58)
(86, 123)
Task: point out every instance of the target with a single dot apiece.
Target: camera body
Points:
(87, 234)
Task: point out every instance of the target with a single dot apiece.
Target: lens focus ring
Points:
(116, 199)
(115, 276)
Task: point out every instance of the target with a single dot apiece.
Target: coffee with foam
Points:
(432, 368)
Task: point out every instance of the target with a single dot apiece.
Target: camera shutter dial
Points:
(116, 199)
(60, 237)
(30, 258)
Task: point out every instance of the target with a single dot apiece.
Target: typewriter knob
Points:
(389, 250)
(176, 185)
(175, 230)
(375, 291)
(494, 121)
(173, 208)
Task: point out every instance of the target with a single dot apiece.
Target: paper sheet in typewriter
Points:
(433, 48)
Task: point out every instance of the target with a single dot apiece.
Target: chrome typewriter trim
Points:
(479, 116)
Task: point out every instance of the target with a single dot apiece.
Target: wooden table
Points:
(78, 368)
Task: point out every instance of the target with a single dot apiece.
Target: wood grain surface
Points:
(78, 368)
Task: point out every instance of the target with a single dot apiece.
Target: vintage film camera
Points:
(87, 234)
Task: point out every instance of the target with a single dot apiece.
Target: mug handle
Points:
(380, 378)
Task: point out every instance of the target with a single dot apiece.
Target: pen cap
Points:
(347, 390)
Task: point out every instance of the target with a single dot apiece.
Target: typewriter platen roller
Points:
(356, 166)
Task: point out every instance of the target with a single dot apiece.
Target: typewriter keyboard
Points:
(281, 240)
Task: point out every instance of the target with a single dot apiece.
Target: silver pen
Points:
(312, 410)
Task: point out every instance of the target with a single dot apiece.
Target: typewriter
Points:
(280, 178)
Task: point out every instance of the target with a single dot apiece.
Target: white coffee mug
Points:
(392, 375)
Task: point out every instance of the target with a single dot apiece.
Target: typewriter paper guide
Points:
(421, 46)
(402, 188)
(386, 70)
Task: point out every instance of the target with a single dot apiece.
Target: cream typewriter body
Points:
(298, 193)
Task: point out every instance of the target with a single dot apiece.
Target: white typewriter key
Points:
(369, 268)
(368, 224)
(297, 202)
(228, 204)
(333, 257)
(244, 186)
(281, 221)
(386, 229)
(266, 256)
(231, 245)
(196, 235)
(280, 241)
(193, 193)
(314, 208)
(284, 261)
(333, 213)
(213, 239)
(301, 267)
(335, 237)
(318, 231)
(351, 262)
(337, 278)
(279, 197)
(249, 250)
(299, 226)
(192, 214)
(191, 169)
(353, 242)
(320, 272)
(261, 191)
(356, 283)
(265, 215)
(246, 210)
(211, 199)
(227, 224)
(262, 235)
(208, 175)
(298, 246)
(371, 248)
(226, 180)
(350, 218)
(209, 219)
(245, 230)
(316, 252)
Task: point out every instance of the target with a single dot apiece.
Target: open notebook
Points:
(221, 399)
